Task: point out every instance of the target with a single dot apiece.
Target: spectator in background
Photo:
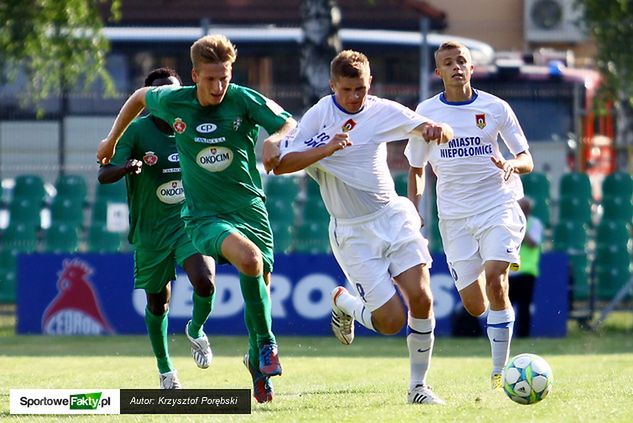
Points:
(522, 282)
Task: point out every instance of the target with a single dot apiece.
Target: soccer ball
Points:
(527, 379)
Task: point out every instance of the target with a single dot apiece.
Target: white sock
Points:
(500, 323)
(420, 344)
(354, 307)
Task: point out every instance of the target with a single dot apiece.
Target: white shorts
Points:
(373, 249)
(470, 242)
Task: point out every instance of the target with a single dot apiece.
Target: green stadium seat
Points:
(576, 184)
(312, 188)
(8, 272)
(570, 236)
(314, 211)
(541, 210)
(613, 232)
(612, 256)
(25, 210)
(282, 235)
(61, 238)
(114, 192)
(100, 240)
(574, 208)
(609, 280)
(30, 187)
(617, 208)
(67, 210)
(280, 211)
(73, 187)
(618, 184)
(281, 187)
(20, 237)
(536, 185)
(579, 272)
(311, 238)
(401, 182)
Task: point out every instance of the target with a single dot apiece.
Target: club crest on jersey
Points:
(179, 125)
(348, 126)
(150, 158)
(237, 123)
(480, 121)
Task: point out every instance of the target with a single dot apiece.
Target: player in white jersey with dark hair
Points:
(375, 235)
(481, 224)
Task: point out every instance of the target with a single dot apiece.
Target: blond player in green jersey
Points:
(146, 156)
(216, 126)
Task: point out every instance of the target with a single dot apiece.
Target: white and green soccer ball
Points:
(527, 379)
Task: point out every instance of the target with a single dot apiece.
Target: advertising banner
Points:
(92, 294)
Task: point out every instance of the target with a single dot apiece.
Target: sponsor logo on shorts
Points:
(206, 128)
(215, 159)
(171, 192)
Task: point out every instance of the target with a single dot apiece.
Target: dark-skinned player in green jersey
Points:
(216, 124)
(146, 156)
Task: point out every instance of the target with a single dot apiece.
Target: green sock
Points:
(253, 349)
(202, 307)
(257, 307)
(157, 331)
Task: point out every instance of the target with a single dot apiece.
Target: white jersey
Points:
(355, 181)
(468, 182)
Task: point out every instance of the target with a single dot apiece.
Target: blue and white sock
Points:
(420, 339)
(500, 323)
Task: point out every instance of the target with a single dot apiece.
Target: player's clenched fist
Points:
(338, 142)
(105, 152)
(440, 132)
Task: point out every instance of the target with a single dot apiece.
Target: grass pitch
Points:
(324, 381)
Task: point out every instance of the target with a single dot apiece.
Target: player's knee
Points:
(202, 283)
(476, 309)
(390, 325)
(421, 300)
(251, 263)
(157, 308)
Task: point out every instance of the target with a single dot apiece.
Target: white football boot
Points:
(422, 394)
(169, 380)
(200, 349)
(342, 323)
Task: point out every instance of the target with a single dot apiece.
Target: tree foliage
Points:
(55, 43)
(611, 25)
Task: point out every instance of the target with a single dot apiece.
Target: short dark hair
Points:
(160, 73)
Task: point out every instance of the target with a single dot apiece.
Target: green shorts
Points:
(153, 269)
(208, 233)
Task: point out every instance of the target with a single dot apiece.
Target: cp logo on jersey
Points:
(480, 121)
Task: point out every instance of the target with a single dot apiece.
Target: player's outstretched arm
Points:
(521, 164)
(431, 131)
(270, 153)
(109, 174)
(298, 160)
(131, 109)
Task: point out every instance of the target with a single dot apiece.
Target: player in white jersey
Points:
(375, 235)
(481, 224)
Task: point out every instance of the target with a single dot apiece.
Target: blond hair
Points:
(212, 49)
(450, 45)
(349, 64)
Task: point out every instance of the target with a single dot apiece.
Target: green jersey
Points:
(156, 195)
(216, 145)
